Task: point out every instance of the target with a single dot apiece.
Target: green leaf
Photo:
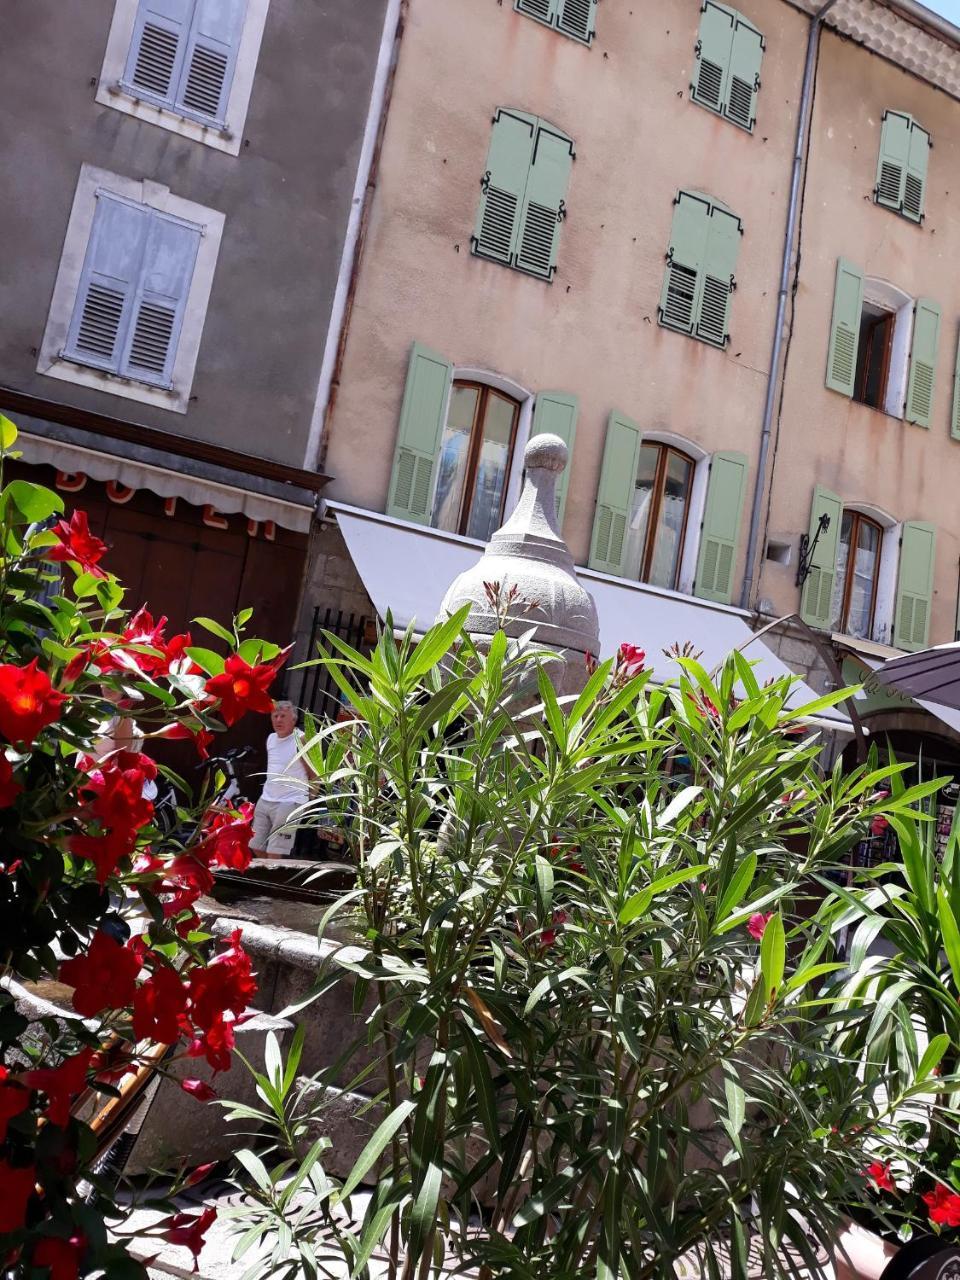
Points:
(552, 982)
(544, 876)
(212, 663)
(256, 1169)
(375, 1148)
(951, 934)
(773, 951)
(482, 1083)
(216, 629)
(639, 902)
(435, 644)
(933, 1053)
(33, 501)
(424, 1212)
(8, 434)
(736, 1104)
(738, 887)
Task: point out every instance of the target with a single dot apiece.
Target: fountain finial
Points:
(535, 576)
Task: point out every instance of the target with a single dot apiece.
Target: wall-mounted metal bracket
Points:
(808, 546)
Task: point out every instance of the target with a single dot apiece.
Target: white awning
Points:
(407, 568)
(42, 450)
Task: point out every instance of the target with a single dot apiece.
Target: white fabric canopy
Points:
(407, 568)
(167, 484)
(933, 667)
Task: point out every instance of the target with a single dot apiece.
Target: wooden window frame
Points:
(887, 321)
(485, 390)
(656, 506)
(858, 519)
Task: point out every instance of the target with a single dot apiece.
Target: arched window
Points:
(476, 450)
(658, 518)
(858, 571)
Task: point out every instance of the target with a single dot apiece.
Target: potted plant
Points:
(593, 989)
(903, 976)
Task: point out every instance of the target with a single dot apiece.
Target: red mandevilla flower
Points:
(943, 1206)
(879, 1174)
(242, 688)
(13, 1101)
(227, 839)
(9, 787)
(28, 702)
(78, 544)
(157, 1007)
(757, 923)
(61, 1256)
(16, 1188)
(61, 1085)
(104, 978)
(188, 1231)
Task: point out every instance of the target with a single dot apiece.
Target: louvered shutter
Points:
(210, 58)
(717, 277)
(556, 412)
(108, 283)
(714, 49)
(542, 10)
(923, 362)
(720, 531)
(577, 18)
(157, 48)
(504, 184)
(542, 207)
(955, 417)
(743, 82)
(914, 585)
(618, 481)
(845, 328)
(915, 178)
(679, 298)
(168, 261)
(893, 159)
(816, 606)
(422, 416)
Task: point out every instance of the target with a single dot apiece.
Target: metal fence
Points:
(318, 692)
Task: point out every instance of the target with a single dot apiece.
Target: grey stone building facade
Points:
(183, 186)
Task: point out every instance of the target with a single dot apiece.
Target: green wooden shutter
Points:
(923, 362)
(720, 531)
(955, 419)
(744, 79)
(893, 159)
(911, 625)
(577, 18)
(686, 255)
(418, 441)
(717, 278)
(816, 605)
(915, 178)
(845, 328)
(543, 203)
(503, 184)
(714, 49)
(618, 480)
(556, 412)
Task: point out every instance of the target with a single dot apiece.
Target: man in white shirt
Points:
(286, 786)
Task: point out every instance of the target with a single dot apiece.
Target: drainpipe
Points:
(789, 245)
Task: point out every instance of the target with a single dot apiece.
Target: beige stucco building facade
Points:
(652, 326)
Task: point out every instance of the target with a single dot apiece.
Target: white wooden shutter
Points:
(211, 57)
(108, 282)
(155, 60)
(168, 261)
